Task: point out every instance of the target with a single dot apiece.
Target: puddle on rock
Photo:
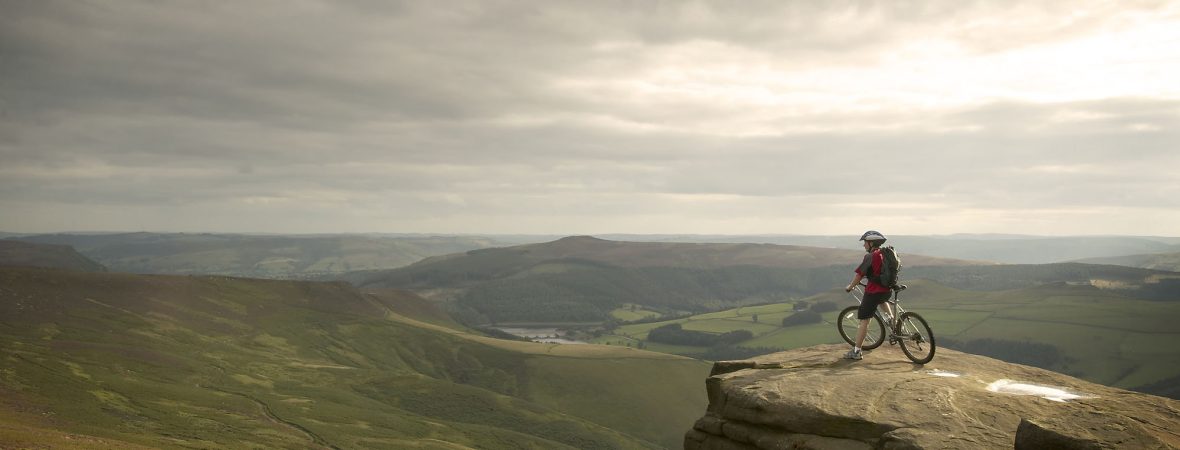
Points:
(943, 373)
(1057, 394)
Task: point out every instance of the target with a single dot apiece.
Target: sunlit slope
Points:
(214, 362)
(1094, 334)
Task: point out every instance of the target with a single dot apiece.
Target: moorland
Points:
(1103, 323)
(214, 362)
(177, 340)
(257, 256)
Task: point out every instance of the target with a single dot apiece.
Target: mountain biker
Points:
(875, 293)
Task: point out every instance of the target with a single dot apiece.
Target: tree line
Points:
(675, 334)
(1036, 354)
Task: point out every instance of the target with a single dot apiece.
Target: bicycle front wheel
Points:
(916, 338)
(848, 324)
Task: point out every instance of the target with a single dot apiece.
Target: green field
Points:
(632, 312)
(1102, 337)
(768, 331)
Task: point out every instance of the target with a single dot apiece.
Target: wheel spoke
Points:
(918, 343)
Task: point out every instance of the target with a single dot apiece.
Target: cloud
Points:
(588, 116)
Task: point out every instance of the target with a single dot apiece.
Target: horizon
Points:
(546, 119)
(565, 235)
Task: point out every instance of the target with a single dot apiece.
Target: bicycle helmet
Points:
(872, 235)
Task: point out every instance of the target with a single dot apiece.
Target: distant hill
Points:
(313, 256)
(258, 256)
(1002, 248)
(115, 360)
(1157, 261)
(474, 266)
(17, 253)
(1130, 281)
(582, 278)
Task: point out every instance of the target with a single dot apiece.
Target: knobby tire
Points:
(847, 323)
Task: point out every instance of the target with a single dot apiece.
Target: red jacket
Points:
(870, 268)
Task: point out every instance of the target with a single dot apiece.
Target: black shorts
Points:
(869, 304)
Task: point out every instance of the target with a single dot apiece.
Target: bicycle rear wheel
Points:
(917, 340)
(848, 324)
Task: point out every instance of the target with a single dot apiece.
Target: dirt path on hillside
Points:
(270, 415)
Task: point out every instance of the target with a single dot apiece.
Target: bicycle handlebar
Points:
(860, 289)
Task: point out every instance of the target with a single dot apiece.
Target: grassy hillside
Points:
(584, 279)
(1035, 249)
(259, 256)
(492, 261)
(1157, 261)
(1094, 334)
(1001, 248)
(17, 253)
(119, 360)
(580, 279)
(1128, 281)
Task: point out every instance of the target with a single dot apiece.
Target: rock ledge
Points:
(809, 398)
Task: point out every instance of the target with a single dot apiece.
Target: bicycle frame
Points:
(895, 309)
(907, 329)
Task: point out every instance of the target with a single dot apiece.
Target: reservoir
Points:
(546, 335)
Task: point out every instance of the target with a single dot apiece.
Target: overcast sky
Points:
(812, 117)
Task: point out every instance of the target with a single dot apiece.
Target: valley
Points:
(423, 356)
(1098, 322)
(1082, 331)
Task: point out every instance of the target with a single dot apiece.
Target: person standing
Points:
(875, 293)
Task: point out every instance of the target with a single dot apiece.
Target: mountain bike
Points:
(911, 331)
